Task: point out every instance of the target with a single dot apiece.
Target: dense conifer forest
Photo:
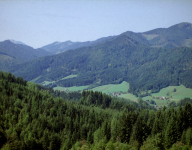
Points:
(34, 117)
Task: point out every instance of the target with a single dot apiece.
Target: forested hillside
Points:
(174, 36)
(147, 61)
(12, 54)
(59, 47)
(31, 118)
(143, 67)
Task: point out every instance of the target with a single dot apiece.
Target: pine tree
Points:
(90, 137)
(125, 128)
(45, 140)
(171, 133)
(179, 123)
(188, 136)
(140, 131)
(151, 120)
(188, 115)
(156, 128)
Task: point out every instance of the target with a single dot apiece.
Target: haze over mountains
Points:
(59, 47)
(14, 52)
(174, 36)
(16, 42)
(148, 61)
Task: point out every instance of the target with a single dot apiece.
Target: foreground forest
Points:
(34, 117)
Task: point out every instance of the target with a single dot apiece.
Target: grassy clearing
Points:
(47, 82)
(73, 88)
(34, 80)
(112, 88)
(60, 89)
(181, 92)
(68, 77)
(77, 88)
(168, 92)
(129, 96)
(109, 88)
(117, 88)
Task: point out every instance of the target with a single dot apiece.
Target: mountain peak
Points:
(16, 42)
(184, 25)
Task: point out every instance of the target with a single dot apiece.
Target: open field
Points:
(111, 88)
(60, 88)
(129, 96)
(168, 92)
(73, 88)
(48, 82)
(68, 77)
(34, 80)
(77, 88)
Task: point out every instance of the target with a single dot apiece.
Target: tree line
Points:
(32, 118)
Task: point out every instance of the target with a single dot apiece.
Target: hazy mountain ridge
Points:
(174, 36)
(16, 42)
(13, 54)
(127, 57)
(59, 47)
(161, 37)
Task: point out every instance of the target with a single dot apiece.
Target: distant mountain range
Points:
(174, 36)
(16, 42)
(59, 47)
(148, 61)
(12, 54)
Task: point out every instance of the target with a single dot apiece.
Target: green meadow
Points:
(73, 88)
(60, 88)
(112, 88)
(180, 93)
(34, 80)
(77, 88)
(168, 92)
(48, 82)
(68, 77)
(129, 96)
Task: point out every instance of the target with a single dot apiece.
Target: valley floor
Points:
(162, 98)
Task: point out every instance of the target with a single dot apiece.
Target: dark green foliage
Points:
(33, 119)
(126, 124)
(30, 118)
(187, 115)
(171, 133)
(3, 138)
(140, 131)
(98, 99)
(180, 122)
(184, 101)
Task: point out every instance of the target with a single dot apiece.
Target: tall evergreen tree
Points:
(171, 133)
(179, 123)
(140, 130)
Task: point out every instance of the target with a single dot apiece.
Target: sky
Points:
(41, 22)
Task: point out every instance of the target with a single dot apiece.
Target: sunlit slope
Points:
(171, 93)
(111, 88)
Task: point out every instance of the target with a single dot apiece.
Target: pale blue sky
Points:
(41, 22)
